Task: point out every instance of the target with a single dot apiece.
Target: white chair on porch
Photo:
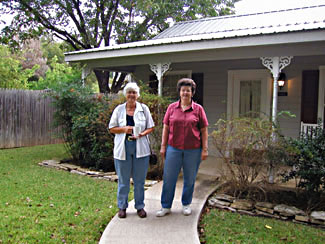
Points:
(307, 129)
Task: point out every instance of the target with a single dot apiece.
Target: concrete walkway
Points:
(172, 229)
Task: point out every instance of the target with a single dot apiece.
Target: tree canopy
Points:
(12, 74)
(94, 23)
(25, 69)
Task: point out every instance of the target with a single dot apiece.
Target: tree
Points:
(51, 49)
(12, 74)
(93, 23)
(33, 55)
(57, 75)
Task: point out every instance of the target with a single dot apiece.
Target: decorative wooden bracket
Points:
(159, 69)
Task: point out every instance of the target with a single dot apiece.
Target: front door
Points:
(249, 93)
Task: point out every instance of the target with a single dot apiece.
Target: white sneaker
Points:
(162, 212)
(187, 210)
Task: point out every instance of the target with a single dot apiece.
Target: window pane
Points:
(250, 98)
(170, 84)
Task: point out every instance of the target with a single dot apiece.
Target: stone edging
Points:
(110, 176)
(266, 209)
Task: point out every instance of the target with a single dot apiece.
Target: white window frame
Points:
(233, 93)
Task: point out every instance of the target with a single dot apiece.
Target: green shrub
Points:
(306, 158)
(84, 117)
(80, 115)
(92, 142)
(248, 151)
(158, 106)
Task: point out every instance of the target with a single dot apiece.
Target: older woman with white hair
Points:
(131, 122)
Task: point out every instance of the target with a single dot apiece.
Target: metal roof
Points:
(304, 18)
(230, 26)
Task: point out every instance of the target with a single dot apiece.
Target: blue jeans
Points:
(176, 159)
(131, 167)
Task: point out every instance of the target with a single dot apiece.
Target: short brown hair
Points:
(186, 82)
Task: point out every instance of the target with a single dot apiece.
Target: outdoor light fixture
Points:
(281, 80)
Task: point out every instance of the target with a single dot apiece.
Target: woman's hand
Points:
(204, 154)
(144, 133)
(128, 129)
(204, 133)
(164, 139)
(121, 129)
(163, 152)
(139, 136)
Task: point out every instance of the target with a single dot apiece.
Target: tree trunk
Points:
(118, 82)
(103, 80)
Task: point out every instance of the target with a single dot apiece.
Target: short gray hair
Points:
(131, 86)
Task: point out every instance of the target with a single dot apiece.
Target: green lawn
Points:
(226, 227)
(43, 205)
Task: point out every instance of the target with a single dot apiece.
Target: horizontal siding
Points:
(215, 85)
(292, 102)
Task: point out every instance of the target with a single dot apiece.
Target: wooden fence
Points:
(26, 119)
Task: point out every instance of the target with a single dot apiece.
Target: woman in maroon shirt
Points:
(184, 145)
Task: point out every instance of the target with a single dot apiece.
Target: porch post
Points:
(159, 69)
(321, 94)
(86, 70)
(275, 65)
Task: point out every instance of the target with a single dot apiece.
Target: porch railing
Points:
(308, 129)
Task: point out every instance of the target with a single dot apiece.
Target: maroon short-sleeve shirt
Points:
(185, 126)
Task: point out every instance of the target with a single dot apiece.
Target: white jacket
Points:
(118, 119)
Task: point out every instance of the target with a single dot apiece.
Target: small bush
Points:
(306, 158)
(247, 149)
(81, 117)
(158, 106)
(84, 117)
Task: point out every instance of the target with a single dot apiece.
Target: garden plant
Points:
(248, 151)
(306, 161)
(83, 119)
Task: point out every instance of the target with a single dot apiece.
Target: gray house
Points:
(236, 60)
